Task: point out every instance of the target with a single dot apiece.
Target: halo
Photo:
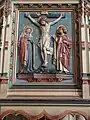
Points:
(28, 27)
(63, 26)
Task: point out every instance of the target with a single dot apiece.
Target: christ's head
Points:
(42, 20)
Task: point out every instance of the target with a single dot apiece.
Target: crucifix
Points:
(44, 26)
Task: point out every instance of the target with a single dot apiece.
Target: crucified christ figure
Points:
(44, 27)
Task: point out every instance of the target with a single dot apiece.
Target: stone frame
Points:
(76, 52)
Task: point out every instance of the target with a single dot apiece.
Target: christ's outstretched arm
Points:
(55, 21)
(27, 14)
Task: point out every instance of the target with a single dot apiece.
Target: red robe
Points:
(63, 50)
(23, 51)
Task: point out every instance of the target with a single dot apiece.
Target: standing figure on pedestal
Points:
(62, 54)
(24, 40)
(44, 41)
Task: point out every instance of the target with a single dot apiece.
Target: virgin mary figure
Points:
(25, 41)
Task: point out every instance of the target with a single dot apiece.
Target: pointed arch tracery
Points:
(43, 115)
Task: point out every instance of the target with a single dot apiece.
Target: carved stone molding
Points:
(43, 114)
(86, 7)
(80, 8)
(28, 6)
(8, 7)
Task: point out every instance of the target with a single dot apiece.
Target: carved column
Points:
(84, 38)
(88, 32)
(2, 40)
(7, 34)
(82, 30)
(85, 54)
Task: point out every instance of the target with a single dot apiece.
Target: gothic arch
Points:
(42, 114)
(14, 113)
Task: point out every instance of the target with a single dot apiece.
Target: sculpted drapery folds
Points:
(44, 40)
(63, 45)
(24, 39)
(48, 42)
